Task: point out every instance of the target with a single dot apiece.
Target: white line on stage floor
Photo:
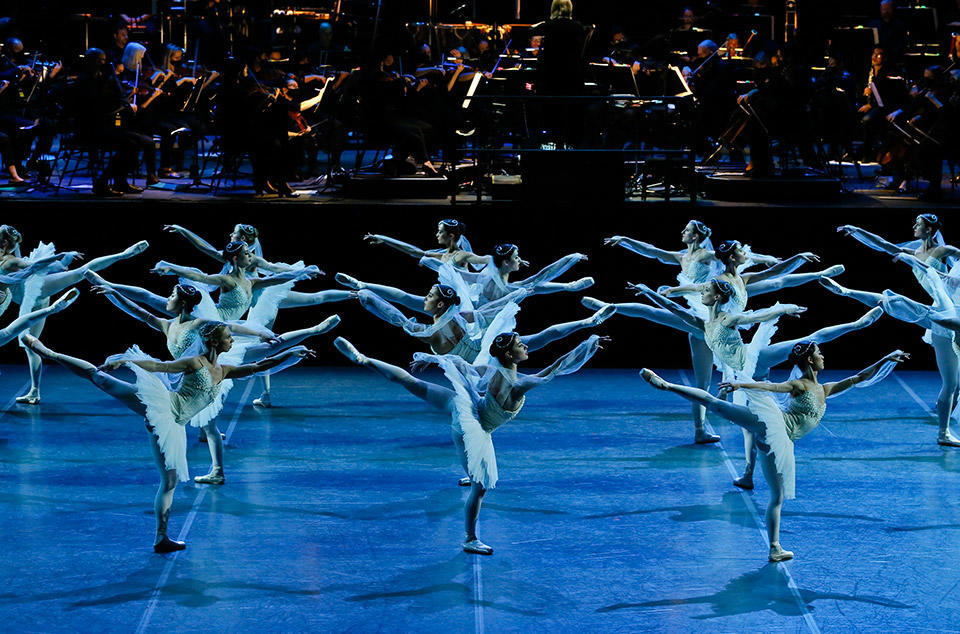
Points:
(168, 568)
(783, 567)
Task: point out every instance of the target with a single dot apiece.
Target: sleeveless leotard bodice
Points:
(803, 414)
(180, 336)
(196, 392)
(493, 415)
(725, 343)
(738, 301)
(233, 303)
(697, 271)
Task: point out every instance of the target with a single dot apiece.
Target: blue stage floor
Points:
(342, 512)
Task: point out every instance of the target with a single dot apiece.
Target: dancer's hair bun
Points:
(449, 295)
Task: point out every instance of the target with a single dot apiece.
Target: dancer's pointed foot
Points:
(650, 377)
(214, 477)
(348, 281)
(872, 315)
(476, 547)
(582, 283)
(327, 324)
(603, 314)
(346, 349)
(832, 286)
(703, 437)
(167, 545)
(65, 300)
(946, 439)
(779, 554)
(833, 271)
(263, 400)
(30, 398)
(136, 249)
(465, 481)
(745, 481)
(594, 304)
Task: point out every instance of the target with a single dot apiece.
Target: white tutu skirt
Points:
(171, 436)
(475, 444)
(775, 440)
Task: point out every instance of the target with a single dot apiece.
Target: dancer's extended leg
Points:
(389, 293)
(163, 501)
(18, 325)
(547, 288)
(124, 392)
(559, 331)
(436, 395)
(56, 282)
(660, 316)
(702, 358)
(296, 299)
(792, 280)
(260, 351)
(949, 368)
(734, 413)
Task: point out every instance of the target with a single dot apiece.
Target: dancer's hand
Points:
(847, 230)
(310, 272)
(269, 337)
(76, 255)
(613, 241)
(373, 238)
(667, 291)
(303, 353)
(110, 365)
(580, 256)
(728, 386)
(419, 366)
(639, 289)
(162, 269)
(898, 356)
(603, 339)
(354, 294)
(524, 263)
(793, 310)
(809, 257)
(104, 290)
(173, 228)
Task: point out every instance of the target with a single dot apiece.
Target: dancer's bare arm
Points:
(897, 356)
(872, 240)
(645, 249)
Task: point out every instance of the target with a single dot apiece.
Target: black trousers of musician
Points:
(760, 154)
(7, 152)
(410, 137)
(166, 126)
(126, 145)
(22, 132)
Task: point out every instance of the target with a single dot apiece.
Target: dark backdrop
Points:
(331, 237)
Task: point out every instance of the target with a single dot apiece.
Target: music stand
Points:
(617, 78)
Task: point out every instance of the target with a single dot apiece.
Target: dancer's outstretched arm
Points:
(760, 316)
(682, 289)
(16, 264)
(189, 365)
(570, 362)
(897, 356)
(787, 387)
(166, 268)
(134, 310)
(489, 310)
(249, 369)
(402, 247)
(645, 249)
(656, 298)
(209, 250)
(551, 271)
(305, 273)
(782, 268)
(872, 240)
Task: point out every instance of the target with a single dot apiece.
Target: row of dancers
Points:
(471, 335)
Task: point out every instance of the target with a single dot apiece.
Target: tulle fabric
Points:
(775, 441)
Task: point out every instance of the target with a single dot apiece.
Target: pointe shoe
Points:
(872, 315)
(946, 439)
(327, 324)
(30, 398)
(745, 481)
(348, 281)
(650, 377)
(136, 249)
(346, 349)
(833, 271)
(214, 477)
(779, 554)
(66, 299)
(582, 283)
(703, 437)
(593, 303)
(167, 545)
(464, 481)
(832, 286)
(263, 400)
(477, 547)
(603, 314)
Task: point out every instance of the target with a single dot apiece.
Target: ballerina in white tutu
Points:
(930, 251)
(775, 427)
(181, 333)
(37, 289)
(166, 409)
(483, 397)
